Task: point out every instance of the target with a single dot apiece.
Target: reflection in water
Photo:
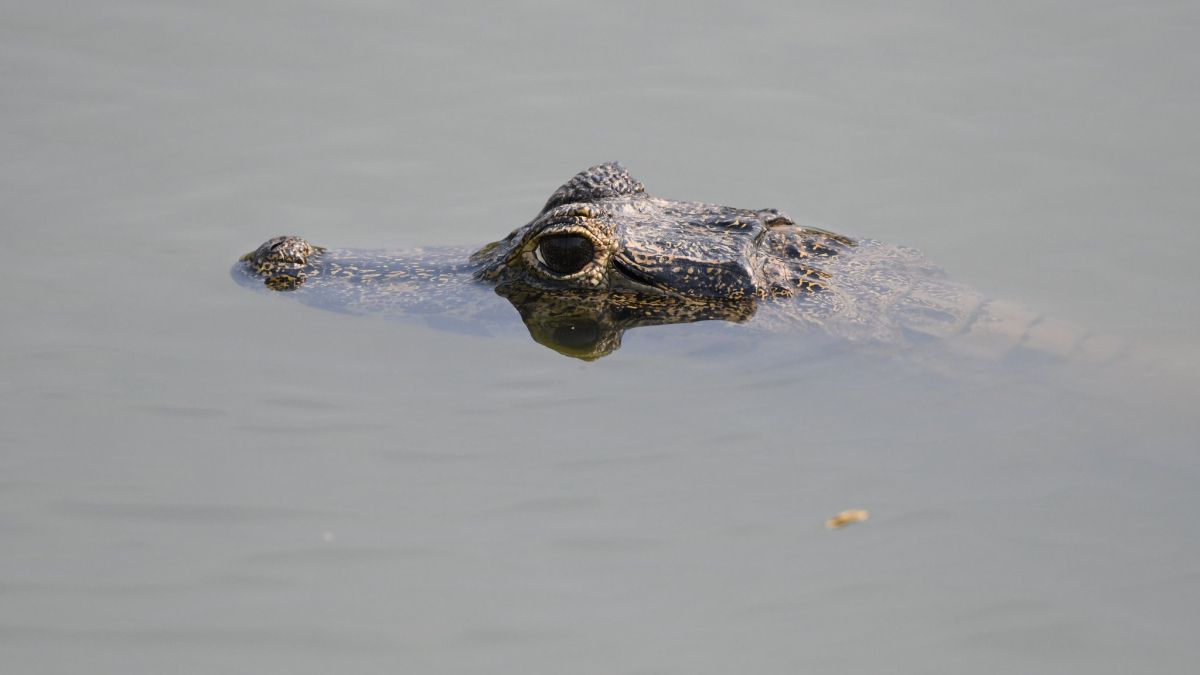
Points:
(589, 325)
(581, 324)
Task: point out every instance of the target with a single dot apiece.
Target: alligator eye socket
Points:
(565, 253)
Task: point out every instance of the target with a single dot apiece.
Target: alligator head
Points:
(601, 256)
(601, 232)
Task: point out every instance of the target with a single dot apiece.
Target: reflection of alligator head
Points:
(589, 325)
(603, 256)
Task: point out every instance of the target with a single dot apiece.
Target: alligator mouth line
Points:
(638, 280)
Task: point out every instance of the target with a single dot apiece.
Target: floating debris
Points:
(846, 517)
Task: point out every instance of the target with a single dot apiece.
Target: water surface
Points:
(200, 479)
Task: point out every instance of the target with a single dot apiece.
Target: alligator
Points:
(604, 256)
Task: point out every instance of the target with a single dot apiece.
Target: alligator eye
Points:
(565, 253)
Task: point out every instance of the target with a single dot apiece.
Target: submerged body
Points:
(604, 256)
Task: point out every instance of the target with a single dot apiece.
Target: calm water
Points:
(195, 478)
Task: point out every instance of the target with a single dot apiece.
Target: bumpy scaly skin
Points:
(653, 245)
(658, 261)
(282, 262)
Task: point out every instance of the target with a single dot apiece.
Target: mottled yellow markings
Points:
(847, 517)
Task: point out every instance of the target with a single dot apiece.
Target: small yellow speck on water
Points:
(846, 517)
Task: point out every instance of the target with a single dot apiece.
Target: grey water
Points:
(197, 478)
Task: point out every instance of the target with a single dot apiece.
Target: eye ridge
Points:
(565, 254)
